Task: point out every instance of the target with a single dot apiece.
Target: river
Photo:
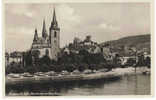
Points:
(126, 85)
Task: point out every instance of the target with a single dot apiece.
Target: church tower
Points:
(54, 37)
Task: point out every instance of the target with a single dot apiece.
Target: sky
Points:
(103, 21)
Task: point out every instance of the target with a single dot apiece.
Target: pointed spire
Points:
(44, 32)
(35, 35)
(54, 21)
(54, 17)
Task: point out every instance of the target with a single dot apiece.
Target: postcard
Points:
(100, 48)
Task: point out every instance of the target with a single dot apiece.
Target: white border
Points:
(80, 1)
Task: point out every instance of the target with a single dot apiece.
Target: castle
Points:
(48, 44)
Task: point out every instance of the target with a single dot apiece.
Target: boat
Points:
(87, 71)
(103, 70)
(51, 73)
(27, 75)
(39, 74)
(146, 72)
(65, 73)
(13, 75)
(76, 72)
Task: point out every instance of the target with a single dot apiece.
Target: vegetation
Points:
(139, 42)
(70, 62)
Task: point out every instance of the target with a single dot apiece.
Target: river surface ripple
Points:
(126, 85)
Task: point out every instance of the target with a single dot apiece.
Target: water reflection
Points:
(127, 85)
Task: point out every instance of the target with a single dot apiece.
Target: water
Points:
(126, 85)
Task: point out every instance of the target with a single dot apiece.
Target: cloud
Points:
(103, 25)
(22, 10)
(29, 14)
(19, 31)
(109, 27)
(68, 15)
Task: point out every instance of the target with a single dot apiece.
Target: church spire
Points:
(35, 36)
(54, 21)
(54, 17)
(44, 32)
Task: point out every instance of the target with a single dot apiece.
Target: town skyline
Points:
(74, 22)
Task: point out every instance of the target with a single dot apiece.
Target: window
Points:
(55, 34)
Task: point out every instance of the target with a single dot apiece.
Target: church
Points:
(48, 44)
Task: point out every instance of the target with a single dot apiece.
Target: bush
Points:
(148, 62)
(45, 60)
(70, 67)
(58, 68)
(130, 62)
(93, 67)
(83, 67)
(31, 69)
(141, 61)
(14, 68)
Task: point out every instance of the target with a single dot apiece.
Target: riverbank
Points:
(115, 73)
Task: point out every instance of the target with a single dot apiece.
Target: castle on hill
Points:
(48, 44)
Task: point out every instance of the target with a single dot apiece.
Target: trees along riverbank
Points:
(68, 62)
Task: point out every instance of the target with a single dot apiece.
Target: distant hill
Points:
(139, 42)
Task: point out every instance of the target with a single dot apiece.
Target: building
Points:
(13, 57)
(47, 44)
(86, 44)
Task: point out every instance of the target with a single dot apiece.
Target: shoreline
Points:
(115, 73)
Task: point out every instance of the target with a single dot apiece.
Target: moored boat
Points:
(27, 75)
(13, 75)
(39, 74)
(51, 73)
(146, 72)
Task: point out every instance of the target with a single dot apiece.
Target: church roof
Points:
(35, 35)
(54, 23)
(54, 18)
(44, 32)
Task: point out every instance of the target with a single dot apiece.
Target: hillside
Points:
(139, 42)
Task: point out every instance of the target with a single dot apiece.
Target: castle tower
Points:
(44, 32)
(54, 37)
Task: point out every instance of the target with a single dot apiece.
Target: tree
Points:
(13, 55)
(31, 69)
(35, 55)
(116, 61)
(28, 58)
(148, 62)
(58, 68)
(14, 68)
(70, 67)
(83, 52)
(83, 67)
(45, 60)
(141, 60)
(93, 67)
